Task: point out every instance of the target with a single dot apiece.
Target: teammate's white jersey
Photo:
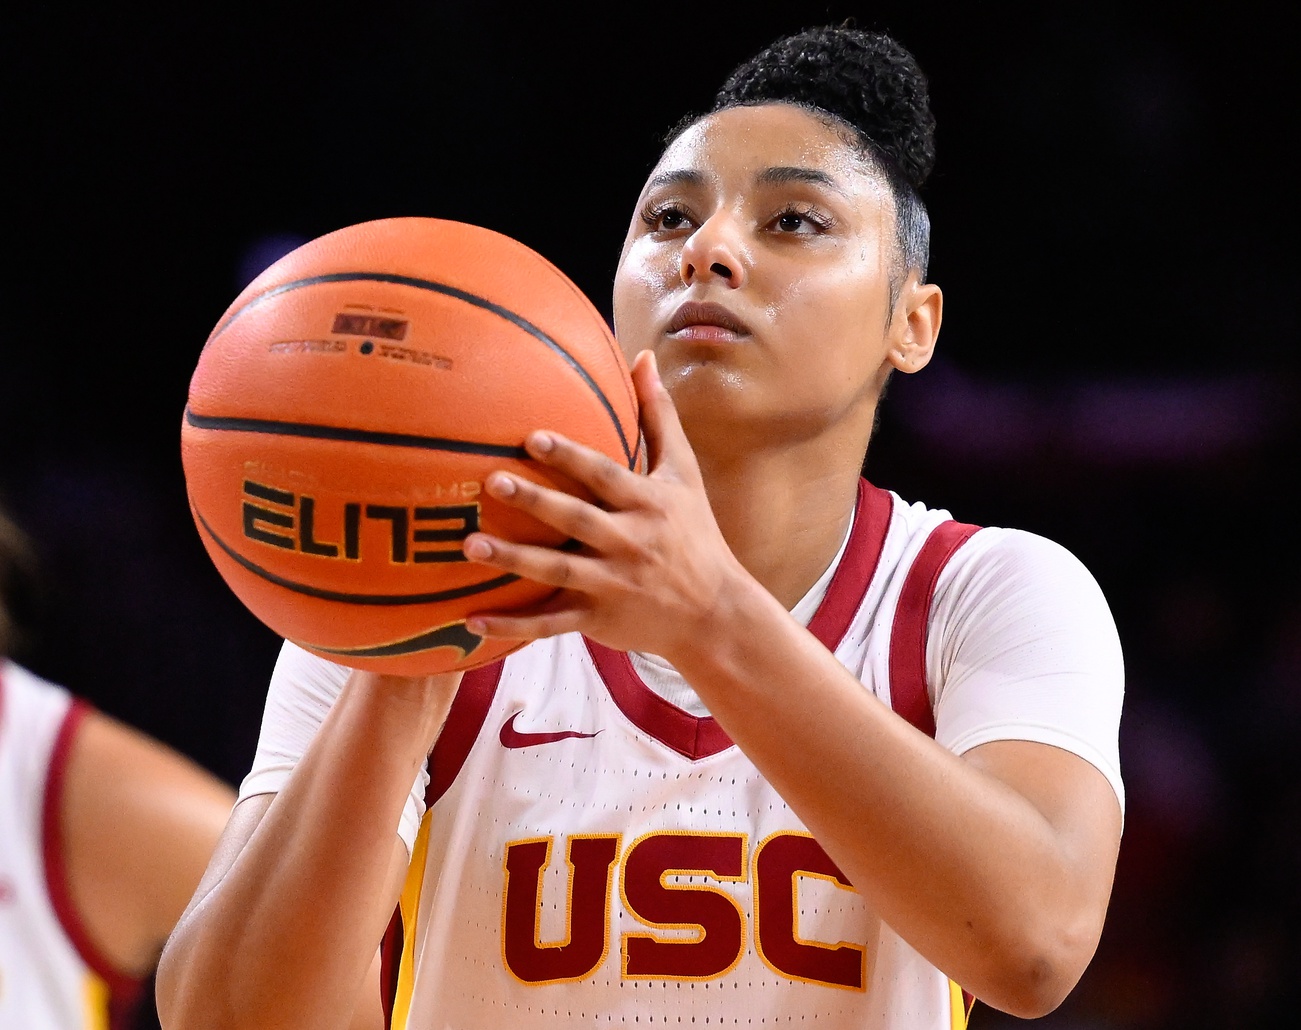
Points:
(51, 975)
(591, 853)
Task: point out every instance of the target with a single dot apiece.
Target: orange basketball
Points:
(344, 413)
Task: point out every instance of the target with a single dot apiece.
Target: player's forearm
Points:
(286, 935)
(959, 864)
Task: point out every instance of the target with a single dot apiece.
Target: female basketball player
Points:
(104, 833)
(785, 747)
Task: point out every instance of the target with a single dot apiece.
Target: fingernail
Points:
(542, 442)
(501, 485)
(476, 626)
(477, 547)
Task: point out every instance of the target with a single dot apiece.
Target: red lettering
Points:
(697, 930)
(586, 941)
(779, 864)
(715, 921)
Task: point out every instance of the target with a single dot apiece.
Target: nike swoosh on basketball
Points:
(512, 738)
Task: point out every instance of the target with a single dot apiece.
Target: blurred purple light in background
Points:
(1124, 421)
(1172, 420)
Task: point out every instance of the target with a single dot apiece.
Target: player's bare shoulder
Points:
(139, 822)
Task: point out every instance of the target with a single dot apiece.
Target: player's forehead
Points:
(739, 146)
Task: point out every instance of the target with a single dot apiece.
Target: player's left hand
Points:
(653, 562)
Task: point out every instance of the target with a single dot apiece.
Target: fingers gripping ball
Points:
(345, 411)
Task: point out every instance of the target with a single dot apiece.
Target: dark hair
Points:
(869, 83)
(18, 583)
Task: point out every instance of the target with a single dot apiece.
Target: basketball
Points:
(343, 415)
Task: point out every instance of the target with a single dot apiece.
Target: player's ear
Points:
(916, 324)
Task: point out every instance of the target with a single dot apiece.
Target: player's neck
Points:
(784, 513)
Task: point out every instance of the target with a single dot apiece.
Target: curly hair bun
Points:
(865, 79)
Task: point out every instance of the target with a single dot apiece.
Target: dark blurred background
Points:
(1113, 229)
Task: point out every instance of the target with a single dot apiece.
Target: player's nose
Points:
(714, 252)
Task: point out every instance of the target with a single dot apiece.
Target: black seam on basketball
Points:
(345, 598)
(454, 634)
(318, 432)
(450, 291)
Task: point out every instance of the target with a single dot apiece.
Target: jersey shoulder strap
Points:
(908, 694)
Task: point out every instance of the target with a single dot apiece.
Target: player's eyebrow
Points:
(780, 174)
(677, 177)
(774, 176)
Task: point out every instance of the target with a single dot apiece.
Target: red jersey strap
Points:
(464, 721)
(857, 568)
(908, 694)
(390, 961)
(124, 990)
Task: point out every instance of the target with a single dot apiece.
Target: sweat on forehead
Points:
(783, 142)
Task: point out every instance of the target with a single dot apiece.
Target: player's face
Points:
(757, 267)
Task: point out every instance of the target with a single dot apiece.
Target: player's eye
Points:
(665, 217)
(801, 220)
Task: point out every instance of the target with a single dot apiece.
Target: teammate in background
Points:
(763, 679)
(104, 833)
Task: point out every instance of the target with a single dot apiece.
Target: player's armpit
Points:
(138, 823)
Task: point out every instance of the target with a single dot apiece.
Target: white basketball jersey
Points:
(51, 976)
(592, 854)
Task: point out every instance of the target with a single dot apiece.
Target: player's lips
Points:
(697, 319)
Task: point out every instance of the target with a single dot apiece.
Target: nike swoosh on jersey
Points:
(512, 738)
